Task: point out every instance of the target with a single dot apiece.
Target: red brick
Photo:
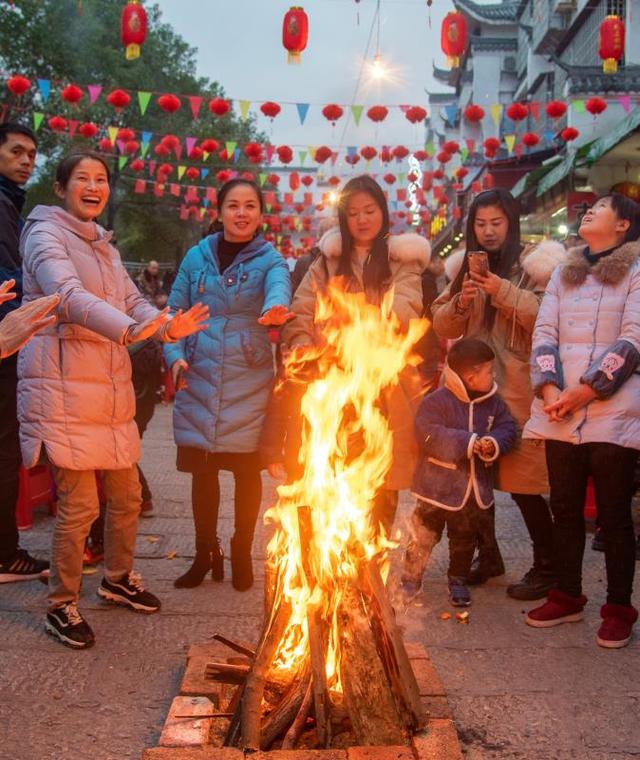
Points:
(301, 754)
(416, 651)
(429, 682)
(192, 753)
(194, 683)
(380, 753)
(436, 707)
(438, 742)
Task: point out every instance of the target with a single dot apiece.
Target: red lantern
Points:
(443, 157)
(334, 181)
(474, 113)
(137, 165)
(377, 113)
(307, 180)
(249, 176)
(611, 43)
(126, 134)
(421, 155)
(209, 145)
(352, 160)
(285, 154)
(224, 175)
(192, 173)
(295, 32)
(517, 111)
(438, 174)
(169, 103)
(72, 94)
(491, 146)
(88, 130)
(219, 106)
(453, 37)
(332, 113)
(530, 139)
(270, 109)
(273, 179)
(131, 147)
(389, 178)
(461, 172)
(385, 155)
(170, 141)
(415, 114)
(196, 153)
(57, 123)
(162, 150)
(18, 84)
(451, 146)
(105, 144)
(569, 133)
(133, 29)
(323, 154)
(400, 152)
(253, 151)
(294, 181)
(556, 109)
(368, 153)
(411, 177)
(119, 99)
(595, 106)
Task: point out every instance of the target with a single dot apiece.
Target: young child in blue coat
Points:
(462, 429)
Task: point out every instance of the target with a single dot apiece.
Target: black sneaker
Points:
(68, 625)
(129, 592)
(597, 543)
(535, 584)
(22, 567)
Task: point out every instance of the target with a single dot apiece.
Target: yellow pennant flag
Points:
(181, 171)
(312, 152)
(496, 113)
(510, 141)
(113, 134)
(245, 105)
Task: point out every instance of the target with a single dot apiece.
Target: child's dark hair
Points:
(13, 128)
(65, 168)
(626, 210)
(468, 353)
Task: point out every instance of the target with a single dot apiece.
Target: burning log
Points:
(285, 712)
(234, 645)
(297, 727)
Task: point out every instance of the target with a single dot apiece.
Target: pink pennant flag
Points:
(94, 92)
(195, 103)
(404, 109)
(269, 151)
(625, 102)
(212, 194)
(178, 150)
(190, 141)
(152, 167)
(73, 125)
(535, 110)
(121, 145)
(401, 194)
(334, 158)
(139, 186)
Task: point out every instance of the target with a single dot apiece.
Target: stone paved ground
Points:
(516, 692)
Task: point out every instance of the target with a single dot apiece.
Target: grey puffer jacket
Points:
(588, 330)
(75, 395)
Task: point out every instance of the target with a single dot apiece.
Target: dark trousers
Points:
(537, 517)
(612, 470)
(428, 523)
(205, 495)
(145, 407)
(10, 458)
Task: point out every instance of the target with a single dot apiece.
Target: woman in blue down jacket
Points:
(224, 377)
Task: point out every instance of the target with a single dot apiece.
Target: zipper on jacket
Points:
(201, 279)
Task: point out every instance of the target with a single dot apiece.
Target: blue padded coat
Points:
(230, 363)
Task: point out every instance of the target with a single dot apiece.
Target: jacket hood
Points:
(539, 262)
(453, 382)
(405, 248)
(89, 231)
(610, 270)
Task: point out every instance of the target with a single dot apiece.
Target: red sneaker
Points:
(559, 608)
(617, 625)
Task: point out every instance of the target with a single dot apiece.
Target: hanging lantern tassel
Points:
(295, 32)
(611, 50)
(134, 28)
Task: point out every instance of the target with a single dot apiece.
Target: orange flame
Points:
(346, 452)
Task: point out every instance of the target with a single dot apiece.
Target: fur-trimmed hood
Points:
(610, 270)
(403, 248)
(539, 262)
(453, 263)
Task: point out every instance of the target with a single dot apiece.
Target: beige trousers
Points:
(78, 507)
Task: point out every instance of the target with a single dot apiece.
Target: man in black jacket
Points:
(17, 160)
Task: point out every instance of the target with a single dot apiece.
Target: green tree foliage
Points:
(78, 41)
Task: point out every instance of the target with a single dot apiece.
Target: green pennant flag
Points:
(401, 177)
(113, 134)
(430, 147)
(268, 207)
(302, 154)
(143, 101)
(122, 162)
(262, 178)
(298, 224)
(464, 154)
(37, 120)
(181, 171)
(144, 149)
(356, 112)
(230, 147)
(245, 105)
(578, 106)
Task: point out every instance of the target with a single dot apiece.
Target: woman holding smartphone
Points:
(495, 297)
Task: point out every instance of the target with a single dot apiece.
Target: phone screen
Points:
(478, 262)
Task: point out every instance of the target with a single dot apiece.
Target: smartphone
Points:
(478, 263)
(181, 383)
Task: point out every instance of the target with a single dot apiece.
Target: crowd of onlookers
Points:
(538, 392)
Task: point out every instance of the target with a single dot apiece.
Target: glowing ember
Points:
(346, 452)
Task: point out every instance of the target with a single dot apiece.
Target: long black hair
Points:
(501, 262)
(228, 186)
(376, 272)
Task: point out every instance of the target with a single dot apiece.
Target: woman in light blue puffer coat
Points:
(225, 375)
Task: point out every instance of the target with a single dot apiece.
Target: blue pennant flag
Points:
(452, 113)
(549, 135)
(44, 85)
(146, 137)
(352, 150)
(303, 109)
(203, 173)
(236, 155)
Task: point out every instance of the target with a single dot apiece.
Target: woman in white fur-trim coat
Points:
(371, 262)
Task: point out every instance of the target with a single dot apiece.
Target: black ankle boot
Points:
(536, 583)
(195, 574)
(241, 567)
(217, 563)
(487, 564)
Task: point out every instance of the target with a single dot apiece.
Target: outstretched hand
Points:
(19, 325)
(276, 315)
(188, 322)
(144, 330)
(5, 291)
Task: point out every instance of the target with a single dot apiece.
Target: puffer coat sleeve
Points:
(519, 303)
(180, 298)
(407, 292)
(46, 257)
(277, 285)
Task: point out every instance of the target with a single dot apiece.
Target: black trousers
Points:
(205, 495)
(612, 469)
(537, 517)
(10, 458)
(145, 407)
